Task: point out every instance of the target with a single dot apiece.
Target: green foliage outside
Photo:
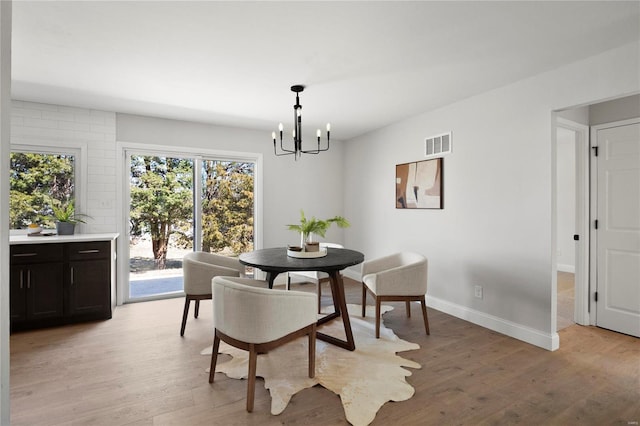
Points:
(161, 200)
(227, 207)
(162, 204)
(37, 182)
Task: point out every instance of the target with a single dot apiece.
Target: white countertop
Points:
(24, 239)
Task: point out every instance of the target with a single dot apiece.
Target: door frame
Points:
(582, 221)
(594, 208)
(123, 187)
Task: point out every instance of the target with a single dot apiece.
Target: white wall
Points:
(5, 120)
(566, 199)
(497, 228)
(313, 183)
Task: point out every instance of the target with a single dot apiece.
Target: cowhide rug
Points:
(365, 379)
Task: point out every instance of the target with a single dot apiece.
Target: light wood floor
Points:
(136, 370)
(566, 300)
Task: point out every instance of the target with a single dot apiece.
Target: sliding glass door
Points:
(178, 204)
(160, 223)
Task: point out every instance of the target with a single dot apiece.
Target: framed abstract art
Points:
(419, 185)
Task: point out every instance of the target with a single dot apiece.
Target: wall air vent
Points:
(437, 146)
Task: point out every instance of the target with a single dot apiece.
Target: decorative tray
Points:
(41, 234)
(307, 254)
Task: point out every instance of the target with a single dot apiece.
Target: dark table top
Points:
(276, 260)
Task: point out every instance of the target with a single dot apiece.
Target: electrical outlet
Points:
(478, 291)
(105, 204)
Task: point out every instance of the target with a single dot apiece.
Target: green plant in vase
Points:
(66, 218)
(308, 227)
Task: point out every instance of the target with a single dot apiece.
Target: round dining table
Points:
(274, 261)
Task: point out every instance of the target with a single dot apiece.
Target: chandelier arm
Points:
(283, 152)
(283, 149)
(317, 150)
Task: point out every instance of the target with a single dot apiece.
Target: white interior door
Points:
(618, 233)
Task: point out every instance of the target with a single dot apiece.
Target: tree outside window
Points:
(38, 181)
(227, 207)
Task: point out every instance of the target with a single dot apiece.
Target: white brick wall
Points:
(35, 123)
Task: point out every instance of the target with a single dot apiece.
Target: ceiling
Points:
(365, 64)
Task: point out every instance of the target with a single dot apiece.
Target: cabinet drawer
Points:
(36, 253)
(89, 250)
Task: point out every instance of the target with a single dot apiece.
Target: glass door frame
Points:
(125, 150)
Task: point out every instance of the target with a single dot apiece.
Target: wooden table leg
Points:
(340, 305)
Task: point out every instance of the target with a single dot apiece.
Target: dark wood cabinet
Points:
(45, 291)
(53, 284)
(37, 283)
(89, 279)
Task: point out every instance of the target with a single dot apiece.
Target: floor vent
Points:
(437, 146)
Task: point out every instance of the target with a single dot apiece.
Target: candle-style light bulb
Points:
(273, 136)
(318, 133)
(328, 127)
(280, 127)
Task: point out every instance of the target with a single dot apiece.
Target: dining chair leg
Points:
(408, 305)
(251, 385)
(364, 299)
(185, 314)
(319, 291)
(378, 317)
(214, 358)
(312, 352)
(424, 314)
(197, 310)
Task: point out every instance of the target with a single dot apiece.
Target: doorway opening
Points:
(572, 223)
(595, 190)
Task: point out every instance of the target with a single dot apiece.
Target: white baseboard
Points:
(566, 268)
(547, 341)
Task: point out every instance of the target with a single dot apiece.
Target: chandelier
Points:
(297, 150)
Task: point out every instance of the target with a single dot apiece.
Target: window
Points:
(40, 177)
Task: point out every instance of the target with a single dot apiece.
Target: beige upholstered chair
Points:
(198, 269)
(397, 277)
(315, 276)
(258, 319)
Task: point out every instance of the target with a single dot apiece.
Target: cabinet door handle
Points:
(28, 278)
(25, 254)
(72, 275)
(88, 251)
(21, 279)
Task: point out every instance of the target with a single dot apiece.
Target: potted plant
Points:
(309, 227)
(66, 218)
